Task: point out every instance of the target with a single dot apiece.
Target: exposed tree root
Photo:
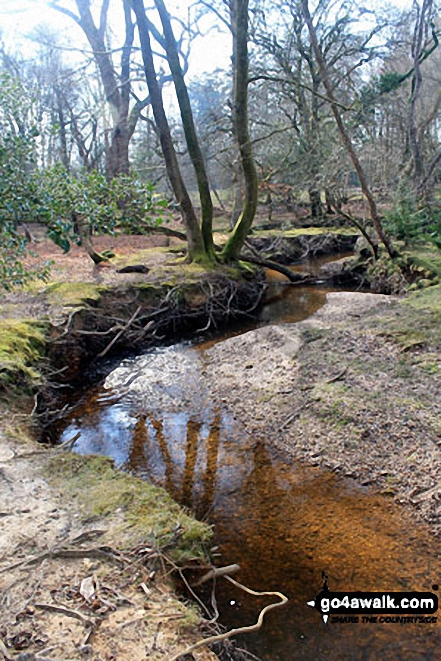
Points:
(274, 266)
(234, 632)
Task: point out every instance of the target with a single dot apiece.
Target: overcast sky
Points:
(20, 18)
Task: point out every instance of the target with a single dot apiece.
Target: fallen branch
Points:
(68, 445)
(67, 553)
(274, 266)
(68, 612)
(239, 630)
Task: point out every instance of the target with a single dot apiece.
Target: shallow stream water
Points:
(284, 524)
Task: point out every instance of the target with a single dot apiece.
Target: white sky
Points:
(19, 18)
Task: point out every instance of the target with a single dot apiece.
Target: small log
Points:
(134, 268)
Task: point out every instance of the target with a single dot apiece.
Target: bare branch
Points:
(54, 4)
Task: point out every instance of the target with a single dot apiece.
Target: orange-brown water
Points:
(283, 523)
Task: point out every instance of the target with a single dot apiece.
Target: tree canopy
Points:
(320, 98)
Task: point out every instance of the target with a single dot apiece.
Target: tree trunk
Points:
(316, 204)
(116, 88)
(191, 137)
(239, 16)
(343, 133)
(196, 247)
(85, 239)
(330, 202)
(117, 153)
(238, 187)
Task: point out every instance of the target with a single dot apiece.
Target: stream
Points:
(283, 523)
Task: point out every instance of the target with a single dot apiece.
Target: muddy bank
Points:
(84, 547)
(135, 316)
(351, 389)
(290, 246)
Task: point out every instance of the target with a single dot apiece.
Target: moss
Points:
(306, 231)
(150, 512)
(428, 260)
(140, 257)
(22, 345)
(70, 294)
(416, 320)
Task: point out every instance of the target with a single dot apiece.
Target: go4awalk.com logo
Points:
(382, 607)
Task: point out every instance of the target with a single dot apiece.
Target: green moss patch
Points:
(416, 321)
(22, 345)
(149, 512)
(306, 231)
(71, 294)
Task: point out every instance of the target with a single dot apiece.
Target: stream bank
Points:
(355, 389)
(235, 408)
(205, 423)
(83, 546)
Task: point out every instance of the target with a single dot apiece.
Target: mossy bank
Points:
(84, 520)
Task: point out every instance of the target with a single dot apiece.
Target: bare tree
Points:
(196, 247)
(424, 33)
(239, 24)
(188, 124)
(347, 142)
(117, 87)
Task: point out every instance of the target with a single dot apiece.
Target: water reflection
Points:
(283, 524)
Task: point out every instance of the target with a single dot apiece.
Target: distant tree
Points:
(117, 86)
(325, 74)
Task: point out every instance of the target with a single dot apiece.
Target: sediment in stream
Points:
(355, 389)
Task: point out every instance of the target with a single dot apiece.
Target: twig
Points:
(118, 335)
(66, 611)
(70, 442)
(86, 535)
(145, 589)
(217, 572)
(4, 651)
(235, 632)
(155, 638)
(338, 376)
(288, 420)
(134, 620)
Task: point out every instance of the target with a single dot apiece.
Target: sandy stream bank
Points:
(351, 389)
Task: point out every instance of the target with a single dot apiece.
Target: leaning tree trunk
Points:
(234, 244)
(343, 133)
(191, 137)
(86, 241)
(196, 247)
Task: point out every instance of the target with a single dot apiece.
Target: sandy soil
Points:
(338, 391)
(61, 597)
